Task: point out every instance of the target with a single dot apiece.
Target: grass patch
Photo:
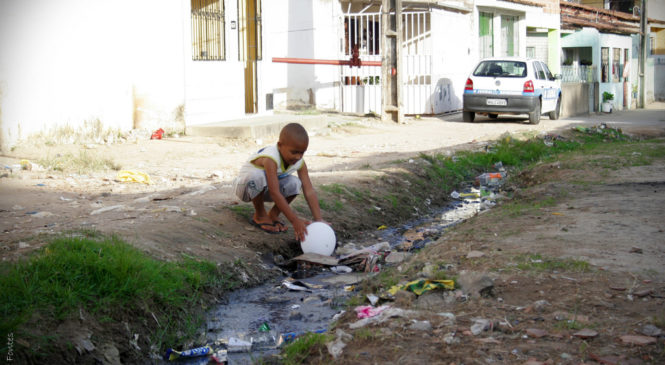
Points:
(333, 189)
(82, 163)
(334, 206)
(243, 210)
(449, 172)
(536, 262)
(111, 279)
(521, 207)
(305, 346)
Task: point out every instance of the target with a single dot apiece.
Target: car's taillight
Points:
(528, 87)
(469, 85)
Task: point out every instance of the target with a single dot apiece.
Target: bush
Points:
(607, 96)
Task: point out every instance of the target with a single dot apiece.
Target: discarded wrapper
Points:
(172, 354)
(420, 286)
(220, 357)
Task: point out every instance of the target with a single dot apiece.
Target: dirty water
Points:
(254, 322)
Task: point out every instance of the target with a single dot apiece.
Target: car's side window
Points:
(540, 74)
(548, 73)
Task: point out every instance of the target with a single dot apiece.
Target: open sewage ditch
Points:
(256, 322)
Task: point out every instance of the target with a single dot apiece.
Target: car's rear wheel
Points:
(554, 114)
(534, 116)
(468, 117)
(493, 116)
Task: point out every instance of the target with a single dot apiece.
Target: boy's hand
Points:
(300, 228)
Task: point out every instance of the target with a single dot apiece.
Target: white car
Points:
(511, 85)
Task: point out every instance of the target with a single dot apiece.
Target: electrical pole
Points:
(391, 60)
(644, 33)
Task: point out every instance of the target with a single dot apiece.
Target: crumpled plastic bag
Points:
(422, 285)
(368, 311)
(134, 176)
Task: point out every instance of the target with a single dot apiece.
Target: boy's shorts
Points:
(248, 186)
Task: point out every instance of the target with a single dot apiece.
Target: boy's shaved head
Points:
(294, 132)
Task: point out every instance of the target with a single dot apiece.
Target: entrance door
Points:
(249, 40)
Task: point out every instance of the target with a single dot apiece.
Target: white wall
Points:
(302, 29)
(75, 61)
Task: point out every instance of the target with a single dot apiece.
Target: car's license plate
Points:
(497, 102)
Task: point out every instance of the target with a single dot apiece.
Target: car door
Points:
(541, 86)
(550, 90)
(553, 86)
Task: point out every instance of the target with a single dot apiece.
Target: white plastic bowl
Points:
(320, 238)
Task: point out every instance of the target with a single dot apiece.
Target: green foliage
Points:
(607, 96)
(333, 189)
(299, 350)
(105, 276)
(243, 210)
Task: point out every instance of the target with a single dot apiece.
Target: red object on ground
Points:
(157, 134)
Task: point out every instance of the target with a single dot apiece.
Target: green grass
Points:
(517, 208)
(333, 189)
(82, 163)
(299, 350)
(109, 278)
(536, 262)
(243, 210)
(448, 172)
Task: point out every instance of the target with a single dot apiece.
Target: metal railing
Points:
(575, 74)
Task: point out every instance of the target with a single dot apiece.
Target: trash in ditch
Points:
(172, 354)
(489, 179)
(381, 227)
(290, 336)
(368, 311)
(373, 299)
(220, 356)
(133, 176)
(422, 285)
(237, 345)
(25, 165)
(342, 269)
(157, 134)
(295, 287)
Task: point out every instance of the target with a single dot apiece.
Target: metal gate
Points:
(361, 86)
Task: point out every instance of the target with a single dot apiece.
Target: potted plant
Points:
(607, 104)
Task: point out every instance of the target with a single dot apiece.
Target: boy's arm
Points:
(309, 193)
(270, 167)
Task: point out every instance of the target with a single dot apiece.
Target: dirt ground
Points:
(614, 222)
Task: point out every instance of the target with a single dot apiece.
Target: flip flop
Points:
(279, 223)
(262, 226)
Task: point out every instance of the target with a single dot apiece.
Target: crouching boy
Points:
(267, 177)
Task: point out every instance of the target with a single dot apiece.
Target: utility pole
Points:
(644, 34)
(391, 60)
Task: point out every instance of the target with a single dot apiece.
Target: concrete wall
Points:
(575, 100)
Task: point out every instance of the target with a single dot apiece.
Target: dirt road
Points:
(185, 209)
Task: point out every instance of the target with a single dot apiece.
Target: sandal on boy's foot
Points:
(280, 226)
(262, 226)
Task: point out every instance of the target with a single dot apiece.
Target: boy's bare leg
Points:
(275, 212)
(261, 216)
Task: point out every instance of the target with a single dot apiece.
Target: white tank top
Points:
(272, 153)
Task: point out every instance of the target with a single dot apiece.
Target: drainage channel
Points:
(256, 322)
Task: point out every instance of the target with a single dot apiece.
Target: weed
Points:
(364, 334)
(333, 188)
(335, 206)
(83, 163)
(243, 210)
(299, 350)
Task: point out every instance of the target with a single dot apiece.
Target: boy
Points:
(266, 176)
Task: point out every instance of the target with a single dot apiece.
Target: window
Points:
(617, 68)
(501, 68)
(486, 35)
(540, 73)
(548, 74)
(509, 35)
(604, 64)
(208, 30)
(530, 52)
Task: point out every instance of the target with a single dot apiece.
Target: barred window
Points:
(617, 67)
(208, 30)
